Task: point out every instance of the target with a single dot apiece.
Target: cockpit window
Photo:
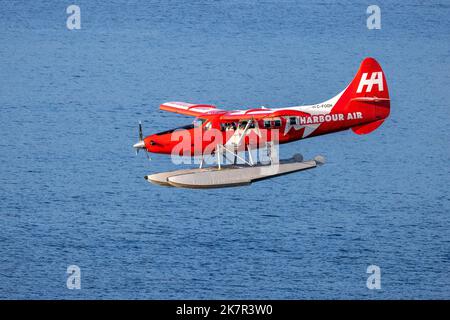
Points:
(198, 122)
(243, 124)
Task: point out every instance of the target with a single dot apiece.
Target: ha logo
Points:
(375, 78)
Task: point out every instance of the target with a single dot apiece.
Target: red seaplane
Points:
(362, 106)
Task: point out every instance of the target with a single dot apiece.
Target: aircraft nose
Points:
(154, 143)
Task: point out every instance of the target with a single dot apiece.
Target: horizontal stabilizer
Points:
(367, 128)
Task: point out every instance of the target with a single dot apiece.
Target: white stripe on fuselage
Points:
(323, 109)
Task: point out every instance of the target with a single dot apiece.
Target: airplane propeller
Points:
(141, 135)
(140, 144)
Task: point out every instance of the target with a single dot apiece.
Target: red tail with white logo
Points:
(366, 97)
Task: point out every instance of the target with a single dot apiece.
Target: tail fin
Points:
(367, 93)
(369, 81)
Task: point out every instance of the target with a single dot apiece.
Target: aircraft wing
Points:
(189, 109)
(205, 110)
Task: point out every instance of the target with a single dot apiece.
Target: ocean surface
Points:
(72, 190)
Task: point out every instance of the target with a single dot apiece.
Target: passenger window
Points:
(266, 124)
(292, 120)
(277, 123)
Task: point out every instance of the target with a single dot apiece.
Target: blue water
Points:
(72, 190)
